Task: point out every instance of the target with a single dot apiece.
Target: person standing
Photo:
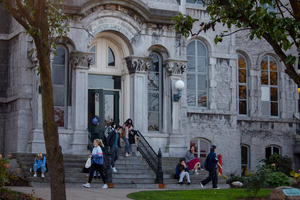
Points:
(113, 142)
(212, 162)
(97, 157)
(182, 170)
(128, 126)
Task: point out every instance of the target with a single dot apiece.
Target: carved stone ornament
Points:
(32, 53)
(175, 66)
(81, 60)
(137, 64)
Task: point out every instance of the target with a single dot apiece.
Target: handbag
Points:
(88, 163)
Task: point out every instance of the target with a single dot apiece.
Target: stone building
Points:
(122, 58)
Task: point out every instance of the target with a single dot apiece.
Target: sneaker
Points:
(114, 170)
(217, 188)
(126, 154)
(34, 175)
(129, 155)
(105, 186)
(196, 173)
(43, 176)
(87, 185)
(188, 183)
(180, 183)
(201, 185)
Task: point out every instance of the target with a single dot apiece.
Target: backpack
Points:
(205, 163)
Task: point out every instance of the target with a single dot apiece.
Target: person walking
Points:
(97, 157)
(128, 126)
(212, 162)
(113, 142)
(182, 170)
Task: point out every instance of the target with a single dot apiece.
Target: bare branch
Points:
(14, 13)
(25, 13)
(243, 29)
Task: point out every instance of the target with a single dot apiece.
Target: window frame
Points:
(95, 53)
(197, 74)
(248, 158)
(243, 84)
(272, 150)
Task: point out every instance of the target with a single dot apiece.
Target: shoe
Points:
(217, 188)
(87, 185)
(114, 170)
(188, 183)
(95, 176)
(201, 185)
(201, 169)
(129, 155)
(43, 176)
(105, 186)
(196, 173)
(126, 154)
(34, 175)
(180, 183)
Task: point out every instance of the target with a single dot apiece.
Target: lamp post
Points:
(179, 85)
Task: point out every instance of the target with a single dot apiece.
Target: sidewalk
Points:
(80, 193)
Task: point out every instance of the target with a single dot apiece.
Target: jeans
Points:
(212, 176)
(127, 145)
(184, 174)
(114, 155)
(35, 168)
(99, 168)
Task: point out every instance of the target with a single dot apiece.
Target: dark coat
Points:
(111, 139)
(131, 138)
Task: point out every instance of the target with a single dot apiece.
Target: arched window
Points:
(197, 74)
(242, 86)
(155, 93)
(202, 147)
(270, 150)
(111, 57)
(59, 84)
(269, 87)
(245, 159)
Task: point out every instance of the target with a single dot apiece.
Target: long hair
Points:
(127, 122)
(191, 148)
(39, 156)
(99, 141)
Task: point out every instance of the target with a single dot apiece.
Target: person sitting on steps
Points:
(192, 161)
(39, 163)
(182, 171)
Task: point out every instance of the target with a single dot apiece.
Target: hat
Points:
(213, 147)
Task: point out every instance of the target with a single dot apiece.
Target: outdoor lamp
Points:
(179, 85)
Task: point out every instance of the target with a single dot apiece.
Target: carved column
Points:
(138, 67)
(176, 69)
(80, 62)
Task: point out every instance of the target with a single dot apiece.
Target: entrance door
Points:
(103, 108)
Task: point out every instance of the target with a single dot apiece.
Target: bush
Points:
(279, 163)
(256, 181)
(5, 175)
(278, 179)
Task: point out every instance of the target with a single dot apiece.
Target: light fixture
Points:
(179, 85)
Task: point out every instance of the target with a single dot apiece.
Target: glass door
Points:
(103, 108)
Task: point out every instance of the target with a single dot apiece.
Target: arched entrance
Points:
(108, 83)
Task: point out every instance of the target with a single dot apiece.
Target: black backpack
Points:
(205, 163)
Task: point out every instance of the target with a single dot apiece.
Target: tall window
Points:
(59, 83)
(155, 94)
(245, 159)
(271, 150)
(197, 74)
(242, 88)
(269, 87)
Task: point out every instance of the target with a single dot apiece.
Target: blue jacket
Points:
(212, 159)
(97, 155)
(40, 162)
(179, 172)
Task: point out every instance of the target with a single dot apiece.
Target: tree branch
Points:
(296, 9)
(243, 29)
(24, 12)
(14, 13)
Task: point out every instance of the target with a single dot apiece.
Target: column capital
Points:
(175, 67)
(137, 64)
(81, 60)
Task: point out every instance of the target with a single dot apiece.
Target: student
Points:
(192, 162)
(113, 142)
(128, 126)
(97, 157)
(212, 162)
(39, 163)
(182, 171)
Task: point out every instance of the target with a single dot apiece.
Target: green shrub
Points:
(5, 175)
(279, 163)
(278, 179)
(256, 181)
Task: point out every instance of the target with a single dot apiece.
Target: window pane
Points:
(264, 63)
(274, 109)
(268, 152)
(191, 98)
(274, 94)
(59, 96)
(153, 118)
(242, 76)
(242, 92)
(191, 49)
(201, 65)
(202, 99)
(191, 64)
(201, 51)
(192, 1)
(58, 74)
(265, 108)
(93, 49)
(104, 82)
(111, 57)
(153, 102)
(242, 62)
(265, 93)
(273, 64)
(154, 67)
(273, 78)
(204, 148)
(191, 81)
(59, 116)
(60, 58)
(264, 78)
(276, 150)
(153, 81)
(202, 82)
(243, 107)
(244, 155)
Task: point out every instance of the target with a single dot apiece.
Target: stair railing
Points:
(153, 159)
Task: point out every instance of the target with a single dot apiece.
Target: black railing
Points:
(153, 159)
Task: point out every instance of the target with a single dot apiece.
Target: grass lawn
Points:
(222, 194)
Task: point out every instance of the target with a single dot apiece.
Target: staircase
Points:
(133, 172)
